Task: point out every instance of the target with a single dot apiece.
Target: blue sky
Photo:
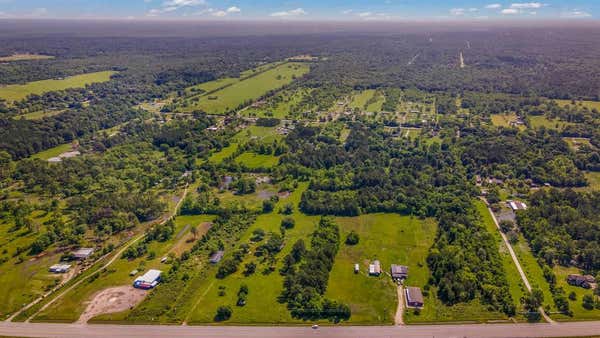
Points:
(343, 10)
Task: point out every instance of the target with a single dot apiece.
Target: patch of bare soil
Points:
(112, 300)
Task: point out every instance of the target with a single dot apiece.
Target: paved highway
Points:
(571, 329)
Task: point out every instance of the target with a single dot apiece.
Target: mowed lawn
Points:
(503, 120)
(391, 239)
(73, 303)
(359, 100)
(539, 121)
(53, 152)
(18, 92)
(255, 161)
(262, 306)
(579, 312)
(246, 90)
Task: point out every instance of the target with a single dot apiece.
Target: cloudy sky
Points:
(343, 10)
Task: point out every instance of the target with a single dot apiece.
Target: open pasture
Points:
(18, 92)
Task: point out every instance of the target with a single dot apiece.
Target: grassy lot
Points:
(52, 152)
(253, 161)
(533, 271)
(359, 100)
(38, 115)
(588, 104)
(593, 179)
(265, 134)
(219, 156)
(262, 306)
(375, 106)
(22, 281)
(25, 57)
(543, 121)
(515, 284)
(579, 312)
(390, 238)
(246, 90)
(19, 92)
(503, 120)
(72, 304)
(576, 142)
(281, 105)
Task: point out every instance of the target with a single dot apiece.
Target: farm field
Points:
(224, 153)
(246, 90)
(391, 239)
(587, 104)
(279, 106)
(53, 152)
(72, 304)
(19, 92)
(375, 102)
(359, 100)
(25, 57)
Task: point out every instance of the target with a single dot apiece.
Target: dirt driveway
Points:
(111, 300)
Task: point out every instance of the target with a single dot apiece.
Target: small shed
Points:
(414, 297)
(517, 205)
(375, 268)
(216, 257)
(60, 268)
(399, 272)
(148, 280)
(82, 253)
(356, 268)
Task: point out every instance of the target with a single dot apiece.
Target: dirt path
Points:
(112, 300)
(516, 261)
(399, 318)
(105, 266)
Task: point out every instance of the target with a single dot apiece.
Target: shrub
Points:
(288, 222)
(223, 313)
(352, 238)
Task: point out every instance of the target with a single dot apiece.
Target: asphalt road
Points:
(571, 329)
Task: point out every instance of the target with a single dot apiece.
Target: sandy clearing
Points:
(112, 300)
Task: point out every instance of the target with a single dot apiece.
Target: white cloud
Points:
(347, 11)
(39, 12)
(510, 11)
(233, 9)
(365, 14)
(293, 12)
(493, 6)
(473, 9)
(219, 14)
(457, 11)
(173, 5)
(575, 14)
(527, 5)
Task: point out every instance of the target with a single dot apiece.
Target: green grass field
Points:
(253, 160)
(515, 284)
(246, 90)
(375, 106)
(281, 105)
(72, 304)
(38, 115)
(262, 306)
(576, 142)
(542, 121)
(588, 104)
(359, 100)
(25, 57)
(219, 156)
(390, 238)
(533, 271)
(579, 312)
(53, 152)
(503, 120)
(18, 92)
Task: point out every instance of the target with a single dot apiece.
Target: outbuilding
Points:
(82, 253)
(414, 297)
(148, 280)
(375, 268)
(60, 268)
(216, 257)
(517, 205)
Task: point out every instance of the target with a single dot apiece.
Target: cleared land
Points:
(391, 239)
(38, 115)
(504, 120)
(543, 121)
(25, 57)
(587, 104)
(246, 90)
(53, 152)
(254, 161)
(18, 92)
(112, 300)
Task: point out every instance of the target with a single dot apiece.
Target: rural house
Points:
(82, 253)
(216, 257)
(414, 297)
(580, 280)
(399, 272)
(60, 268)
